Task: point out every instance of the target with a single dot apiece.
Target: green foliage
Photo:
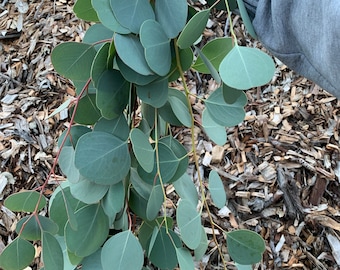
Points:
(119, 155)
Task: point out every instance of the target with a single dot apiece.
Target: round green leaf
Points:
(84, 10)
(216, 189)
(112, 93)
(157, 47)
(106, 16)
(225, 114)
(122, 251)
(17, 255)
(244, 68)
(155, 93)
(193, 29)
(172, 16)
(216, 132)
(25, 201)
(117, 127)
(215, 51)
(73, 60)
(66, 163)
(88, 192)
(73, 136)
(141, 187)
(245, 247)
(93, 229)
(97, 32)
(186, 189)
(143, 150)
(87, 112)
(52, 254)
(163, 249)
(209, 65)
(102, 158)
(131, 14)
(131, 52)
(34, 226)
(189, 223)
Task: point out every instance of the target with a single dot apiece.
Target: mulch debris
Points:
(280, 167)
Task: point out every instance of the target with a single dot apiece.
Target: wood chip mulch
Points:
(281, 166)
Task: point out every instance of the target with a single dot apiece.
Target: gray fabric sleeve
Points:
(303, 34)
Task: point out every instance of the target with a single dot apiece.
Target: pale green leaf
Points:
(216, 132)
(216, 188)
(245, 67)
(185, 259)
(122, 251)
(189, 223)
(52, 255)
(186, 189)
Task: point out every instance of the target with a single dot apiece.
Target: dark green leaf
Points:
(100, 63)
(84, 10)
(209, 65)
(97, 33)
(93, 229)
(155, 93)
(87, 111)
(62, 207)
(73, 60)
(17, 255)
(179, 106)
(245, 247)
(163, 252)
(25, 201)
(34, 226)
(215, 50)
(186, 57)
(52, 254)
(230, 95)
(112, 93)
(93, 261)
(155, 202)
(193, 29)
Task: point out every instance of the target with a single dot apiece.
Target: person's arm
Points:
(303, 34)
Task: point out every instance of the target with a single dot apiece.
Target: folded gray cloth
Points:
(303, 34)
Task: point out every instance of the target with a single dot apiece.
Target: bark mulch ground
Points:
(281, 166)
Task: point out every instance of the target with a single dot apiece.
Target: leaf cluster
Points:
(118, 155)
